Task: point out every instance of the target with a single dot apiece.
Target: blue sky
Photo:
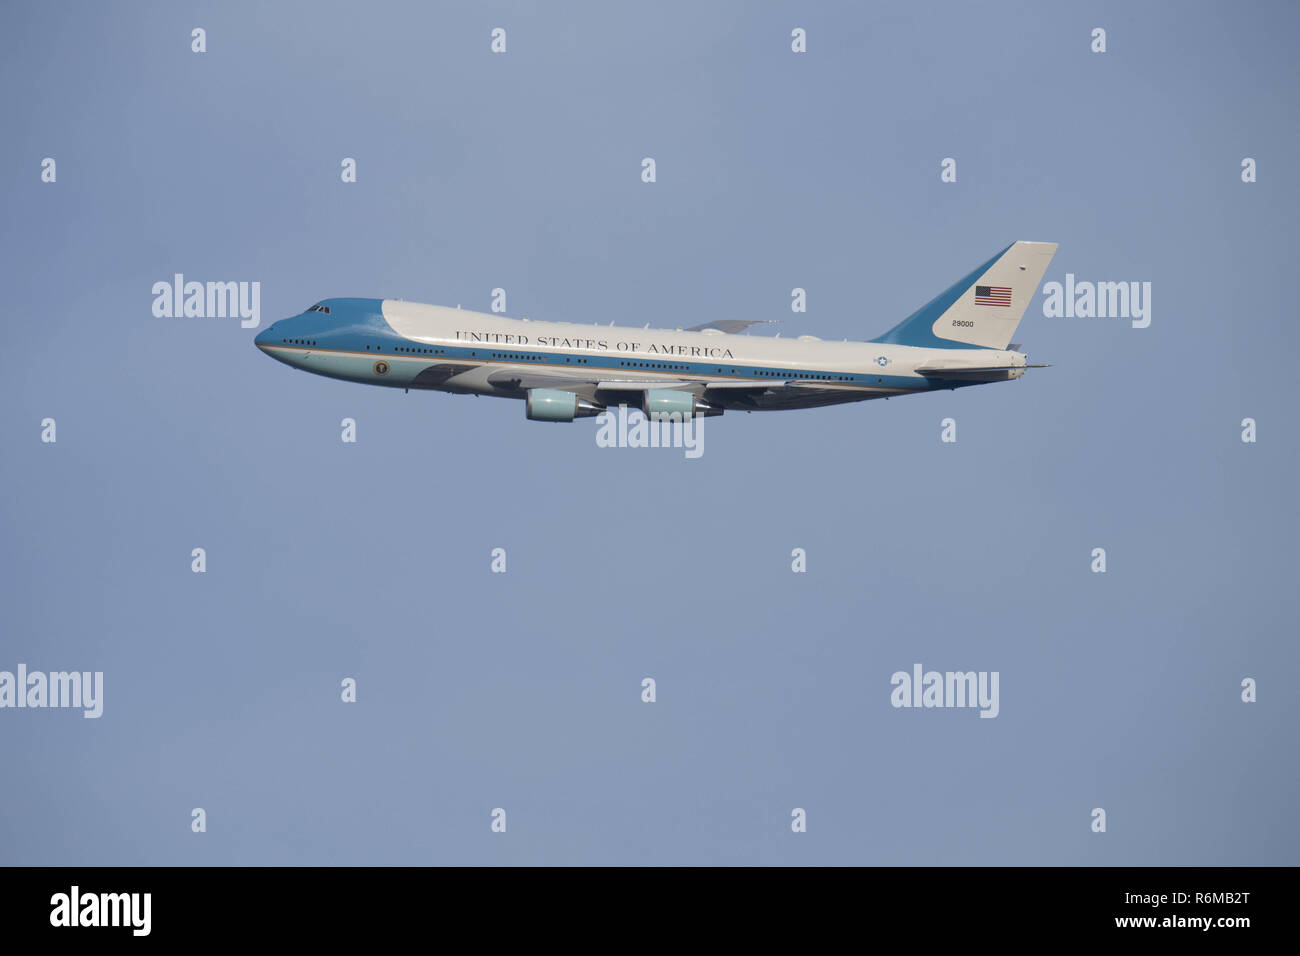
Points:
(522, 690)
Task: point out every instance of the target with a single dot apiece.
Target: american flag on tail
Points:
(993, 295)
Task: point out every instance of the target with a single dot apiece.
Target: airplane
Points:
(565, 371)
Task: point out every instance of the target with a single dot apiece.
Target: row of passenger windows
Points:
(298, 341)
(765, 373)
(408, 351)
(662, 365)
(517, 357)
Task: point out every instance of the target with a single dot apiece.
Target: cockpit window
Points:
(320, 308)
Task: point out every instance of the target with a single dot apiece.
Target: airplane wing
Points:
(778, 393)
(777, 387)
(524, 379)
(727, 325)
(631, 385)
(436, 375)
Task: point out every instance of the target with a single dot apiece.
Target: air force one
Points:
(564, 371)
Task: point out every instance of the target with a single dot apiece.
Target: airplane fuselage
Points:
(407, 345)
(564, 371)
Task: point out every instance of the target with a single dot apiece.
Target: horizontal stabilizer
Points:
(992, 374)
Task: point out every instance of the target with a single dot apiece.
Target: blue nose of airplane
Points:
(263, 338)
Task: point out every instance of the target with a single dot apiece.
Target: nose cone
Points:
(263, 338)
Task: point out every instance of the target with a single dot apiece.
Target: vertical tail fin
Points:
(983, 309)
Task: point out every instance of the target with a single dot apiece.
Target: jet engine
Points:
(674, 405)
(557, 405)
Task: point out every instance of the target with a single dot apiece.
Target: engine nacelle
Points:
(556, 405)
(674, 405)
